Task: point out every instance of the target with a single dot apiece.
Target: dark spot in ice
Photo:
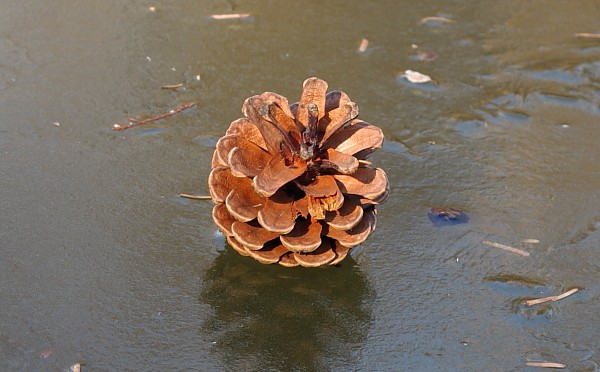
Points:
(447, 216)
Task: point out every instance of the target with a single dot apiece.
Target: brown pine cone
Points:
(291, 183)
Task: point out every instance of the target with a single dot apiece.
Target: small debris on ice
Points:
(416, 77)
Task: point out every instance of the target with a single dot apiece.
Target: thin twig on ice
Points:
(551, 298)
(436, 19)
(196, 197)
(587, 35)
(230, 16)
(546, 364)
(506, 248)
(135, 123)
(530, 241)
(173, 86)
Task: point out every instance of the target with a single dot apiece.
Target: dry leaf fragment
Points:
(364, 44)
(551, 298)
(506, 248)
(230, 16)
(546, 365)
(416, 77)
(75, 367)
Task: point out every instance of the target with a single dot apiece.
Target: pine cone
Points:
(291, 183)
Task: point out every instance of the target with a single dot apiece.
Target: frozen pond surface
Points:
(102, 263)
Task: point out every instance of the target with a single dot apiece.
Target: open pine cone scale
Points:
(292, 184)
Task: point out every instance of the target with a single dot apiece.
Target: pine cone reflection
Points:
(292, 184)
